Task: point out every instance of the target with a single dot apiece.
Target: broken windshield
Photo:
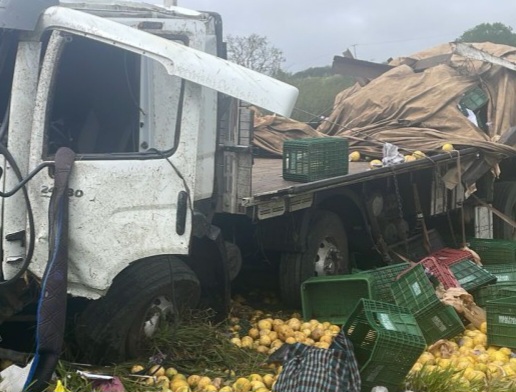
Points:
(107, 100)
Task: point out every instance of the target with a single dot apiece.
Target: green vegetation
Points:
(318, 88)
(497, 33)
(452, 380)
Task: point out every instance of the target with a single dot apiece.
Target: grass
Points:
(74, 382)
(450, 380)
(194, 346)
(198, 347)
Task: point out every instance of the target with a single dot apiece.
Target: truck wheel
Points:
(505, 202)
(326, 254)
(141, 298)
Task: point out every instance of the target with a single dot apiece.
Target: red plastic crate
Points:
(440, 271)
(449, 256)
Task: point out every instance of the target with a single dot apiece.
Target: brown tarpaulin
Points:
(415, 111)
(271, 131)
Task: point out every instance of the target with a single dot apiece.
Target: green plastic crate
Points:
(470, 276)
(333, 298)
(494, 291)
(439, 321)
(414, 290)
(494, 251)
(383, 278)
(387, 342)
(501, 322)
(313, 159)
(504, 273)
(474, 99)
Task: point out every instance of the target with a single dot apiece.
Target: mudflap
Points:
(22, 14)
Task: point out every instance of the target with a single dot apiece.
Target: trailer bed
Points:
(268, 183)
(268, 174)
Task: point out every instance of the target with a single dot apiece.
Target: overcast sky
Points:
(310, 33)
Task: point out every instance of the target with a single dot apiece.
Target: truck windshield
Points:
(106, 100)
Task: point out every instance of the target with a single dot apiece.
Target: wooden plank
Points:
(358, 68)
(430, 62)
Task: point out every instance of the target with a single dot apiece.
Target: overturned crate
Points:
(470, 276)
(412, 289)
(441, 272)
(494, 251)
(437, 321)
(333, 298)
(383, 278)
(501, 322)
(505, 285)
(492, 292)
(387, 342)
(504, 273)
(449, 256)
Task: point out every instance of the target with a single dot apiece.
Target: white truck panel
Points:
(21, 111)
(116, 217)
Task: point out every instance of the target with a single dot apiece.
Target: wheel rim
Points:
(328, 258)
(160, 309)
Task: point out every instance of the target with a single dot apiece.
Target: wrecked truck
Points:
(137, 96)
(165, 199)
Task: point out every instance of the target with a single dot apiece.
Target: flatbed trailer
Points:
(359, 220)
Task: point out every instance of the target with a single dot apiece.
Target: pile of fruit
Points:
(355, 156)
(251, 335)
(267, 335)
(170, 379)
(469, 356)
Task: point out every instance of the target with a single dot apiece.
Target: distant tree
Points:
(497, 33)
(255, 52)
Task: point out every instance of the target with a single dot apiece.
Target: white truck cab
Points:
(138, 93)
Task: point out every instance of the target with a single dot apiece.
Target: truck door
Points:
(129, 190)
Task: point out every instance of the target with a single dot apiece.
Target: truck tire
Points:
(326, 254)
(505, 202)
(115, 328)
